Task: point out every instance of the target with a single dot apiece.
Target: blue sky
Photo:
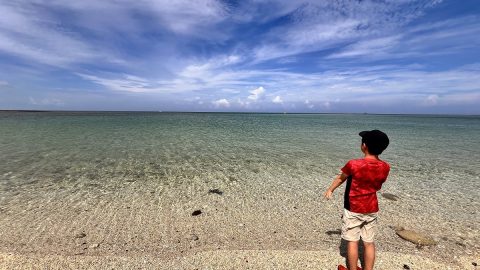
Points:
(393, 56)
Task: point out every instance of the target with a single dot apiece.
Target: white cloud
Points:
(277, 100)
(221, 103)
(126, 83)
(368, 47)
(359, 84)
(386, 83)
(27, 32)
(431, 100)
(46, 101)
(327, 105)
(447, 37)
(309, 104)
(33, 30)
(320, 25)
(188, 17)
(256, 93)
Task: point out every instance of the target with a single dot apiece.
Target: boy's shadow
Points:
(343, 250)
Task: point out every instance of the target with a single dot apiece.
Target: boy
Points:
(364, 178)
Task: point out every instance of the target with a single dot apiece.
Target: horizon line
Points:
(232, 112)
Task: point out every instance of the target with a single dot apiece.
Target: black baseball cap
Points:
(376, 141)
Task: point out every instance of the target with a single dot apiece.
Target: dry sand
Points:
(221, 259)
(252, 225)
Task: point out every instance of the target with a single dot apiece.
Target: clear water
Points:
(436, 152)
(47, 156)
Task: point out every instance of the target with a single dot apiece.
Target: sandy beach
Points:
(222, 259)
(248, 226)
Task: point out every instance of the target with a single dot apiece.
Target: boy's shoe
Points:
(341, 267)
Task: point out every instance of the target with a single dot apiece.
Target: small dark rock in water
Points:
(390, 196)
(80, 235)
(216, 191)
(338, 232)
(474, 264)
(406, 267)
(196, 212)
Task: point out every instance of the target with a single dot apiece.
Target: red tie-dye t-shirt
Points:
(365, 178)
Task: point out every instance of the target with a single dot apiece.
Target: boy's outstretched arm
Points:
(336, 183)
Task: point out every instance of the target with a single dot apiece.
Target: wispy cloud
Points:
(386, 83)
(323, 25)
(446, 37)
(126, 83)
(38, 30)
(46, 101)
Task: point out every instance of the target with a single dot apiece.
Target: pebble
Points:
(332, 232)
(406, 267)
(196, 212)
(215, 191)
(80, 235)
(390, 196)
(194, 237)
(94, 246)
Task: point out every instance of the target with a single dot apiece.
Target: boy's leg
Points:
(351, 233)
(368, 234)
(352, 255)
(369, 255)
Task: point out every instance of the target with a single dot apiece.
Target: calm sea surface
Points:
(434, 153)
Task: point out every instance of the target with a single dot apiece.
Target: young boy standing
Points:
(364, 178)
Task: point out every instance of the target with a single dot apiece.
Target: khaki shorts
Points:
(356, 225)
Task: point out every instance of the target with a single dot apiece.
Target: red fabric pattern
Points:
(368, 175)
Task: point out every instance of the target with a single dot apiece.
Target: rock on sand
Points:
(414, 237)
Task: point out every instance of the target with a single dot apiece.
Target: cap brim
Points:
(363, 133)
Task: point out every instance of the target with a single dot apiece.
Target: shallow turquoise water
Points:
(61, 146)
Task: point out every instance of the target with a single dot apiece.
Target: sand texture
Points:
(251, 225)
(221, 259)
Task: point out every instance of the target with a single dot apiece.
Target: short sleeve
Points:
(386, 171)
(347, 169)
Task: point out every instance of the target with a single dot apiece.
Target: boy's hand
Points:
(328, 194)
(336, 182)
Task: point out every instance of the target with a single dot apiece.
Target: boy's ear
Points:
(364, 146)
